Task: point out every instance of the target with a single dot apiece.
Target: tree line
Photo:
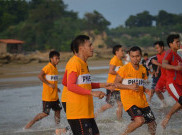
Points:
(47, 24)
(144, 19)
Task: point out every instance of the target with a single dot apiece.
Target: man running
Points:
(161, 83)
(173, 64)
(50, 99)
(155, 74)
(130, 81)
(112, 97)
(79, 97)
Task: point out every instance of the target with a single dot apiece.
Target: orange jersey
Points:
(117, 63)
(64, 92)
(51, 75)
(79, 106)
(130, 76)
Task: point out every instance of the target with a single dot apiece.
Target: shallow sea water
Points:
(20, 105)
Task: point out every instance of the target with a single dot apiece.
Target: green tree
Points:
(63, 32)
(143, 19)
(41, 20)
(12, 12)
(165, 19)
(131, 21)
(96, 21)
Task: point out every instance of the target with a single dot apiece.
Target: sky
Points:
(117, 11)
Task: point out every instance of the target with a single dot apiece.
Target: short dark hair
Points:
(80, 39)
(116, 48)
(160, 43)
(135, 48)
(171, 38)
(53, 53)
(145, 54)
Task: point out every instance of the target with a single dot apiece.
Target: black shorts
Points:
(147, 113)
(83, 126)
(112, 97)
(64, 106)
(54, 105)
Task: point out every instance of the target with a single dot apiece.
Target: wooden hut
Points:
(10, 46)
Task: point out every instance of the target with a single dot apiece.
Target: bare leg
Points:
(138, 122)
(102, 109)
(150, 97)
(152, 127)
(119, 111)
(174, 109)
(57, 117)
(161, 97)
(36, 118)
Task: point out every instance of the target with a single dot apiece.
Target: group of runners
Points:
(125, 86)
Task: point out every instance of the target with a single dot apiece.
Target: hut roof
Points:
(11, 41)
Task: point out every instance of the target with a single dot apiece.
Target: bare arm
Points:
(41, 76)
(156, 63)
(147, 91)
(157, 72)
(166, 65)
(112, 70)
(158, 69)
(119, 85)
(105, 85)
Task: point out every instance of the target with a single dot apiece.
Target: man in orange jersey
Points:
(79, 97)
(112, 97)
(130, 81)
(49, 77)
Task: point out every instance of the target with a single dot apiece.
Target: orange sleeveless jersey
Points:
(51, 75)
(130, 76)
(79, 106)
(116, 62)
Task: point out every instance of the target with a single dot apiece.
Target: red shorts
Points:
(174, 90)
(161, 85)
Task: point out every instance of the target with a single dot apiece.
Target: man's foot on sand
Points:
(60, 131)
(27, 126)
(165, 122)
(163, 104)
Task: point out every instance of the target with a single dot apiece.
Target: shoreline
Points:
(25, 75)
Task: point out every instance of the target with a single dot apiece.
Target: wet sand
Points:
(23, 75)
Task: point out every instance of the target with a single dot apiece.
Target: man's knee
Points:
(140, 121)
(45, 114)
(40, 116)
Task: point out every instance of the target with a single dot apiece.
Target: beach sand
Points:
(22, 75)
